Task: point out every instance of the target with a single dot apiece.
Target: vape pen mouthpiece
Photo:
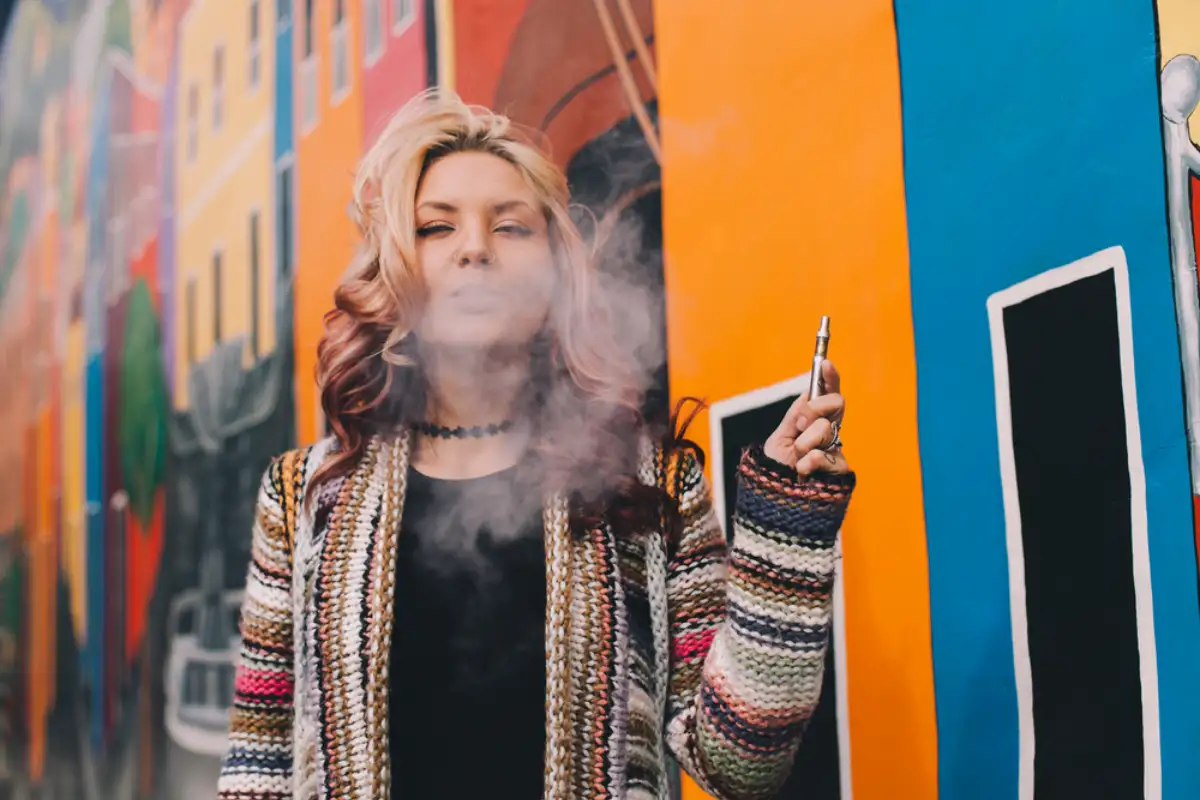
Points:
(815, 384)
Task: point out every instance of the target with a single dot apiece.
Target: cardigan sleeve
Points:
(749, 623)
(258, 761)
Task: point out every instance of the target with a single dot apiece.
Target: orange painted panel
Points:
(326, 158)
(783, 201)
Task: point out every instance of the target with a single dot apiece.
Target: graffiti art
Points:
(997, 204)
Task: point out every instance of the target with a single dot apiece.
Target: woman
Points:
(495, 575)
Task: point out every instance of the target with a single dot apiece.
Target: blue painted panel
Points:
(1032, 139)
(96, 561)
(284, 82)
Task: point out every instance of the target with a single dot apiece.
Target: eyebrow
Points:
(438, 206)
(498, 208)
(511, 205)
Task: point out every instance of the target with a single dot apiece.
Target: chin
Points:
(478, 335)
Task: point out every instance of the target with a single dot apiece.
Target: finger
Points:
(796, 410)
(831, 379)
(830, 406)
(817, 435)
(799, 415)
(831, 462)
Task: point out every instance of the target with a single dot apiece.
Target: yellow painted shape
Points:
(1178, 33)
(445, 44)
(230, 178)
(783, 201)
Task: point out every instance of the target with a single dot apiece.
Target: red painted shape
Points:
(398, 74)
(1196, 523)
(483, 36)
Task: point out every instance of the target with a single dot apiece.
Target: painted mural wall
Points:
(997, 204)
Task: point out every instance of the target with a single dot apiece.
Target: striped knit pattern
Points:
(749, 628)
(641, 741)
(719, 648)
(258, 763)
(307, 541)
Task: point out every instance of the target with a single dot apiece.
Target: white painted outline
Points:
(340, 31)
(283, 21)
(749, 401)
(204, 730)
(402, 22)
(372, 56)
(120, 61)
(307, 72)
(1112, 260)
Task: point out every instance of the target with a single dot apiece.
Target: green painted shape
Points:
(142, 429)
(118, 30)
(18, 227)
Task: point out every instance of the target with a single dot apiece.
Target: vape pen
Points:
(815, 384)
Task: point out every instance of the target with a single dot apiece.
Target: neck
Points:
(469, 389)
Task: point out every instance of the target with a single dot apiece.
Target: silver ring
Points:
(836, 442)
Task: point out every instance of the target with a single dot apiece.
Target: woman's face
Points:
(483, 247)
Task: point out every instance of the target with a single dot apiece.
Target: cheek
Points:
(432, 258)
(540, 287)
(532, 265)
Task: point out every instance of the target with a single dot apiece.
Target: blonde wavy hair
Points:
(370, 377)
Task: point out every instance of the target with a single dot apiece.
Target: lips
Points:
(477, 298)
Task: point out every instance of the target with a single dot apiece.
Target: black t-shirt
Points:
(468, 666)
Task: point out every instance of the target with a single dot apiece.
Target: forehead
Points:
(465, 179)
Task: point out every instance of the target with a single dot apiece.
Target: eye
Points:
(432, 228)
(514, 229)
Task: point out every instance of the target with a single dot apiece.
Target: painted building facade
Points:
(329, 134)
(224, 166)
(174, 176)
(394, 58)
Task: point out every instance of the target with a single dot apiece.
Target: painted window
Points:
(308, 28)
(283, 199)
(255, 45)
(255, 282)
(190, 319)
(308, 72)
(341, 50)
(218, 87)
(193, 121)
(1064, 633)
(402, 14)
(217, 294)
(373, 25)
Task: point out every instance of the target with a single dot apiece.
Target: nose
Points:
(476, 249)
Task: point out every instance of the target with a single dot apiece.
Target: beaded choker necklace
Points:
(476, 432)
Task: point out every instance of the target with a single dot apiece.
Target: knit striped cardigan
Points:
(711, 655)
